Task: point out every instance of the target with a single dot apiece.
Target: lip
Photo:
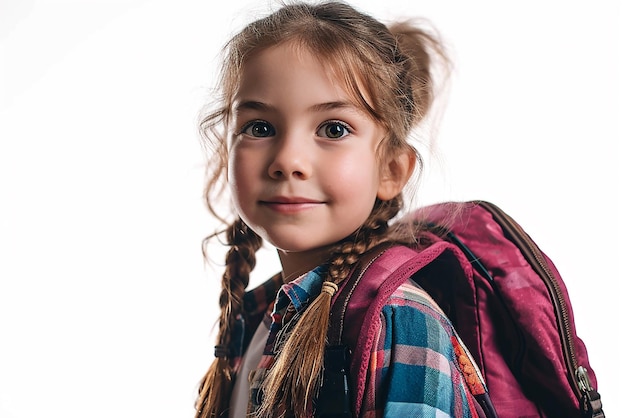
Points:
(287, 204)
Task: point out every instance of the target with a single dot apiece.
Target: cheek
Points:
(238, 175)
(231, 167)
(355, 177)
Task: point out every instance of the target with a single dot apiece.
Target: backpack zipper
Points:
(577, 376)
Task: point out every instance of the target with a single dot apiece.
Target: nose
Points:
(291, 158)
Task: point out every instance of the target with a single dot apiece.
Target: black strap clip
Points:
(334, 400)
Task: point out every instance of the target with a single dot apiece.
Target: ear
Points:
(395, 173)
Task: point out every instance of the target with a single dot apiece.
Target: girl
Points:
(311, 138)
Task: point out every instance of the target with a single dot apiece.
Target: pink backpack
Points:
(505, 298)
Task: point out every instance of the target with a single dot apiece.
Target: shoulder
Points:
(257, 305)
(411, 298)
(410, 317)
(416, 348)
(257, 300)
(410, 293)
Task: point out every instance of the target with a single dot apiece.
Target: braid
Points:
(296, 376)
(215, 388)
(371, 233)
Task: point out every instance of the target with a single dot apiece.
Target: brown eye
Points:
(333, 130)
(259, 129)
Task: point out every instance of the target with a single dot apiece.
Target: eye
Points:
(258, 129)
(333, 129)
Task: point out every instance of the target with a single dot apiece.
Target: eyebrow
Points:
(252, 105)
(320, 107)
(331, 106)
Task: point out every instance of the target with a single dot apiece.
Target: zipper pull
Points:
(590, 402)
(583, 380)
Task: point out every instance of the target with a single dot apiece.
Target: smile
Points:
(287, 205)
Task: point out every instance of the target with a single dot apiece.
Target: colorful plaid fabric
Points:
(413, 369)
(257, 304)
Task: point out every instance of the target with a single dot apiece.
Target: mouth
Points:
(287, 205)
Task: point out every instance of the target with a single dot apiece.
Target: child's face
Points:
(303, 169)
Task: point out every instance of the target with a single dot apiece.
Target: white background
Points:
(106, 306)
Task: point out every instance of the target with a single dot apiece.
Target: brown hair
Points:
(392, 68)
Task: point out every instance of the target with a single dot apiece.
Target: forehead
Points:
(322, 74)
(285, 74)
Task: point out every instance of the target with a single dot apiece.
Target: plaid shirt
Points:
(417, 363)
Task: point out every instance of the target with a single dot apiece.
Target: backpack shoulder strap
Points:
(373, 277)
(362, 296)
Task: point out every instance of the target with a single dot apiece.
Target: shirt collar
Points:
(303, 289)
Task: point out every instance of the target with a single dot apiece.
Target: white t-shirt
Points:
(250, 362)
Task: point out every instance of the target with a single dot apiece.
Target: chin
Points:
(298, 246)
(294, 247)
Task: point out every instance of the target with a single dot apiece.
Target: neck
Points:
(295, 264)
